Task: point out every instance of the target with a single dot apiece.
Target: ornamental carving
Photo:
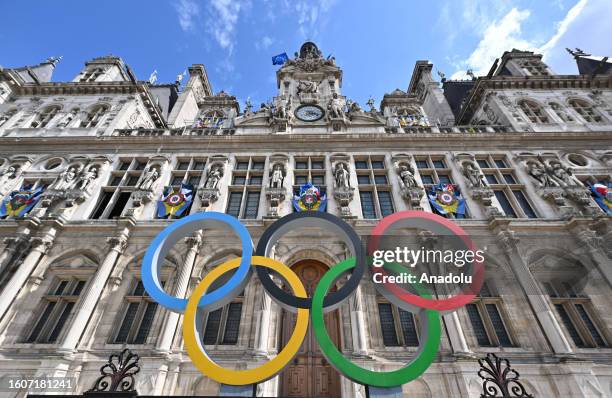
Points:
(118, 373)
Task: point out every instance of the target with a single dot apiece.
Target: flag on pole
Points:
(603, 196)
(280, 59)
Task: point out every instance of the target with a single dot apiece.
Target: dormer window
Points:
(533, 111)
(211, 119)
(94, 116)
(92, 75)
(45, 116)
(585, 110)
(535, 68)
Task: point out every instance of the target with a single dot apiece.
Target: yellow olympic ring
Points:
(248, 376)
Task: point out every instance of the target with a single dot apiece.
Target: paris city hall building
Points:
(522, 145)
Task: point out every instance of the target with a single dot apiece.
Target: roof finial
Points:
(577, 52)
(54, 60)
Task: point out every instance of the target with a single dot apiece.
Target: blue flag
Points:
(280, 59)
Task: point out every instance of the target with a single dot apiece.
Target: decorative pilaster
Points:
(166, 336)
(117, 245)
(264, 314)
(593, 246)
(39, 247)
(358, 324)
(536, 298)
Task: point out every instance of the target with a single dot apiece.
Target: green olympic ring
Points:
(430, 327)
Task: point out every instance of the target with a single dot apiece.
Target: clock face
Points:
(309, 113)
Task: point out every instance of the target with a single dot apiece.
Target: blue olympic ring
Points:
(159, 247)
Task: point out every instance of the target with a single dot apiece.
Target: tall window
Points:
(56, 310)
(585, 110)
(533, 111)
(222, 326)
(245, 188)
(433, 171)
(94, 116)
(309, 168)
(488, 321)
(43, 118)
(122, 182)
(576, 313)
(508, 192)
(374, 187)
(188, 170)
(138, 317)
(398, 327)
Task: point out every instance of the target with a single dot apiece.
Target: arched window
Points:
(585, 110)
(210, 119)
(45, 116)
(560, 111)
(92, 75)
(533, 111)
(94, 116)
(7, 116)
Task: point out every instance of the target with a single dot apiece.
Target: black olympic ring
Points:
(307, 219)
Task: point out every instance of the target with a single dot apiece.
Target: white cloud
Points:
(587, 26)
(187, 10)
(224, 17)
(264, 43)
(312, 17)
(499, 36)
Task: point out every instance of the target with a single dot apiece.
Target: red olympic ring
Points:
(448, 304)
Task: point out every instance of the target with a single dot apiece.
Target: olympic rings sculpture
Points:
(202, 301)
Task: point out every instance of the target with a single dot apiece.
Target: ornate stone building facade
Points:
(521, 143)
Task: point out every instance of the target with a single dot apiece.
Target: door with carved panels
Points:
(310, 375)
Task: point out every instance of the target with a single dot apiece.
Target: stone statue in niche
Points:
(67, 179)
(342, 176)
(562, 174)
(335, 107)
(150, 175)
(474, 176)
(541, 173)
(276, 181)
(10, 173)
(283, 108)
(407, 175)
(307, 86)
(87, 177)
(214, 176)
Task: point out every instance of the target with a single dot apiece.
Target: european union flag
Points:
(280, 59)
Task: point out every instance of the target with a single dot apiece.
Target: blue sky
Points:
(375, 42)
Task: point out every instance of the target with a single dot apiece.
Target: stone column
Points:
(455, 334)
(164, 344)
(11, 245)
(40, 246)
(263, 323)
(592, 247)
(358, 325)
(536, 298)
(92, 295)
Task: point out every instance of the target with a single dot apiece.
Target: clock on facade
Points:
(309, 113)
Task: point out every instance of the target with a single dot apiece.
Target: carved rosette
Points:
(275, 196)
(344, 196)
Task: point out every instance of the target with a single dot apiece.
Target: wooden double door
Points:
(310, 375)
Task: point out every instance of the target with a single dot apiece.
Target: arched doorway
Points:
(310, 375)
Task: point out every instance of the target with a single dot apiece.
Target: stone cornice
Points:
(554, 82)
(96, 88)
(312, 142)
